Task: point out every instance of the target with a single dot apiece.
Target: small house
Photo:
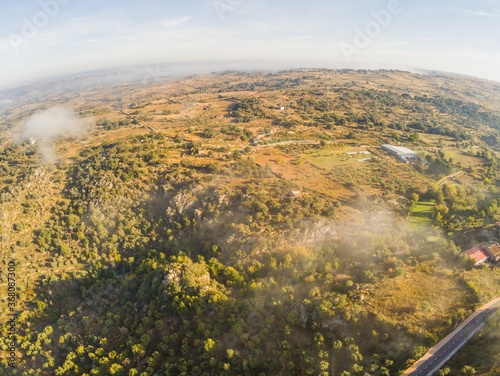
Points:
(493, 250)
(477, 254)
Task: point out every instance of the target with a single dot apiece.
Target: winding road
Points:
(438, 355)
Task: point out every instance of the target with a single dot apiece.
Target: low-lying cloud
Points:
(53, 123)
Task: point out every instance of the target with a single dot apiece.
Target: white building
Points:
(400, 152)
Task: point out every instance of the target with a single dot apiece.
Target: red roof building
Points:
(477, 254)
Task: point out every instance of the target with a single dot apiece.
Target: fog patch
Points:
(44, 127)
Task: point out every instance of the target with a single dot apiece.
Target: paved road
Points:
(438, 355)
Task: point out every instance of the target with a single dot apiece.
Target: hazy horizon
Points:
(156, 71)
(53, 38)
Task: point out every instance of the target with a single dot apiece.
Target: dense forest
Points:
(223, 228)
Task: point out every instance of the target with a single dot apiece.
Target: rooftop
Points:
(477, 254)
(401, 150)
(493, 249)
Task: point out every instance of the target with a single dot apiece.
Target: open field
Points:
(420, 301)
(329, 158)
(298, 172)
(464, 158)
(485, 282)
(422, 213)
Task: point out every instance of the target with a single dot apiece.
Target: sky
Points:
(50, 38)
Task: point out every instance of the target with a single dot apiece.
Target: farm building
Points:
(493, 250)
(484, 252)
(403, 154)
(477, 254)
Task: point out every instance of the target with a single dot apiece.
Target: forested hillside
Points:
(249, 224)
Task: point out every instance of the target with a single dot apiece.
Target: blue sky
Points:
(47, 38)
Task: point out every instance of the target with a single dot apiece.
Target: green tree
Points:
(468, 371)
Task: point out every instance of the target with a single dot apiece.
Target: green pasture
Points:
(422, 213)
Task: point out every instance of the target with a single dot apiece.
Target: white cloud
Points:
(478, 13)
(470, 12)
(51, 124)
(176, 21)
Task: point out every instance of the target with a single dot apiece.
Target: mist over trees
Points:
(172, 240)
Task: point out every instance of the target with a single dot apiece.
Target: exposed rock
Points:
(174, 275)
(198, 214)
